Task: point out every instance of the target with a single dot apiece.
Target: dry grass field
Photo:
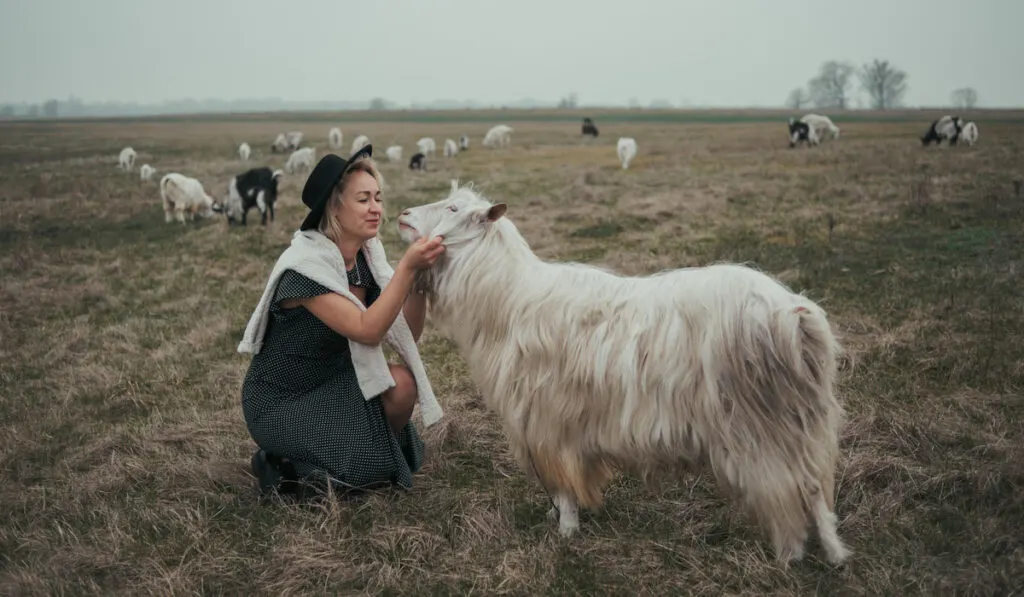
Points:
(124, 454)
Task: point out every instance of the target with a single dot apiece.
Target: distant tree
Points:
(798, 98)
(831, 88)
(884, 83)
(378, 103)
(32, 111)
(569, 102)
(7, 111)
(634, 103)
(50, 108)
(964, 98)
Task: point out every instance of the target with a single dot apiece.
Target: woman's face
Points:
(361, 207)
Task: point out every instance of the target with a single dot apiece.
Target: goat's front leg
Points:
(566, 511)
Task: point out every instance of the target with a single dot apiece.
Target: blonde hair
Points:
(329, 225)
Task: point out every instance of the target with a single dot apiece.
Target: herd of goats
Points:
(184, 197)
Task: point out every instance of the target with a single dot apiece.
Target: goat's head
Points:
(458, 218)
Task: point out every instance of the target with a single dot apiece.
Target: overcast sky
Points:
(715, 52)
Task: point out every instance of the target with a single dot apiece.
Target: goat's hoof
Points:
(567, 529)
(837, 555)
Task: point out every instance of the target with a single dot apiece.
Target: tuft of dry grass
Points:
(124, 453)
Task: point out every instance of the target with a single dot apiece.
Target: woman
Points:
(312, 400)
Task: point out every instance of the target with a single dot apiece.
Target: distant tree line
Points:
(74, 107)
(884, 83)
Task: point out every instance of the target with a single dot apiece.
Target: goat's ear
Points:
(497, 210)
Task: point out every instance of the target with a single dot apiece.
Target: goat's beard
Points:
(423, 281)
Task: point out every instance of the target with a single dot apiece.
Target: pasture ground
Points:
(124, 455)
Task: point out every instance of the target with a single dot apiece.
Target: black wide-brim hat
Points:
(321, 183)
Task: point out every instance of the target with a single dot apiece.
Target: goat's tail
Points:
(165, 184)
(775, 371)
(806, 344)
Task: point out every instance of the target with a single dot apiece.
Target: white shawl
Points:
(315, 256)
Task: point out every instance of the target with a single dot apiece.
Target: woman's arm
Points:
(415, 312)
(369, 326)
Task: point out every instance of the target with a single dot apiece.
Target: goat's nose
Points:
(406, 212)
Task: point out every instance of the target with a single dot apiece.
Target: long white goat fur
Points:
(183, 195)
(820, 124)
(969, 134)
(720, 367)
(626, 149)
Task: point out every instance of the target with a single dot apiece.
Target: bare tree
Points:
(798, 98)
(964, 98)
(569, 102)
(884, 83)
(831, 88)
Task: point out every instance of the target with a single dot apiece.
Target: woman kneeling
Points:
(319, 399)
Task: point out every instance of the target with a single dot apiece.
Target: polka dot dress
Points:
(302, 401)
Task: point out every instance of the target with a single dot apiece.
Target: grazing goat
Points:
(300, 158)
(244, 151)
(589, 128)
(279, 144)
(948, 127)
(394, 153)
(498, 136)
(801, 131)
(334, 138)
(427, 146)
(360, 142)
(451, 149)
(626, 150)
(253, 188)
(294, 139)
(821, 125)
(970, 133)
(717, 368)
(184, 198)
(418, 162)
(146, 172)
(126, 159)
(464, 142)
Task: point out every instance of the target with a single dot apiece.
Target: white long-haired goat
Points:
(244, 151)
(394, 153)
(427, 146)
(360, 142)
(590, 372)
(126, 159)
(146, 172)
(451, 149)
(184, 198)
(300, 159)
(626, 150)
(821, 125)
(970, 133)
(498, 136)
(335, 138)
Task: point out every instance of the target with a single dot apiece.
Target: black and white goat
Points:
(418, 162)
(589, 128)
(948, 127)
(801, 131)
(253, 188)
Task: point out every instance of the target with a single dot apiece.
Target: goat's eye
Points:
(452, 208)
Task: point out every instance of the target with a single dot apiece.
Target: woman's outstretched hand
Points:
(423, 253)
